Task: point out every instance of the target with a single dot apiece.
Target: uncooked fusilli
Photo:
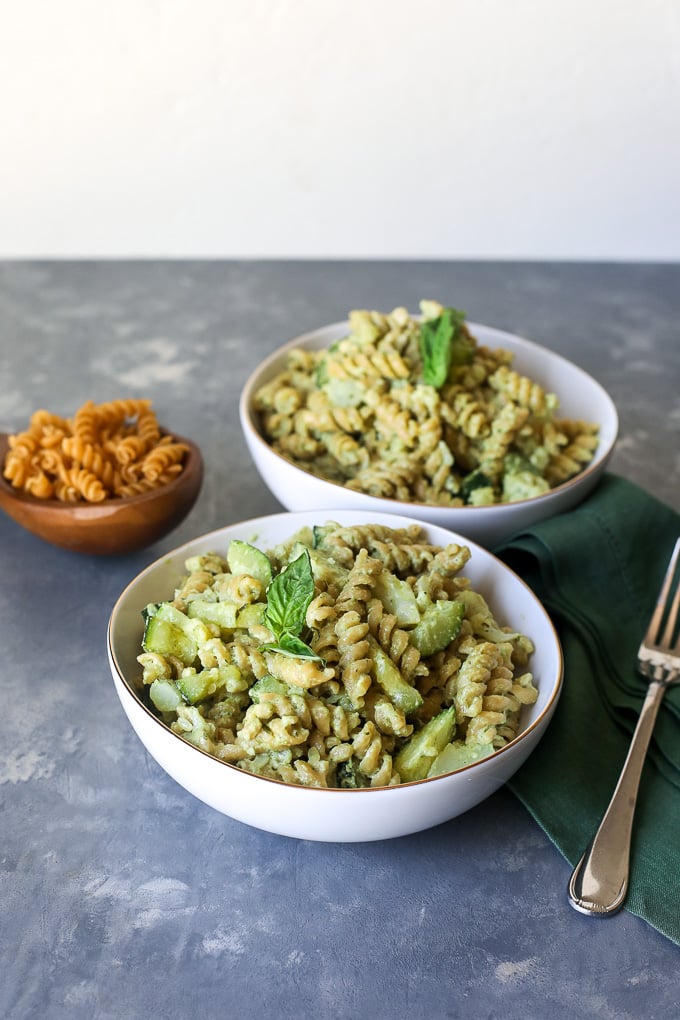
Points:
(105, 451)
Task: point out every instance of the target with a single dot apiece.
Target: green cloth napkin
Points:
(598, 570)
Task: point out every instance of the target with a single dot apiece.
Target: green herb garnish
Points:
(288, 599)
(293, 646)
(442, 344)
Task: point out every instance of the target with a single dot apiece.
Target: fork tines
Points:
(666, 612)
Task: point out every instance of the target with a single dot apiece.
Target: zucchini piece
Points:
(391, 682)
(193, 628)
(267, 684)
(324, 567)
(223, 614)
(167, 638)
(439, 625)
(457, 755)
(345, 392)
(523, 485)
(319, 532)
(251, 616)
(168, 631)
(517, 463)
(165, 695)
(226, 615)
(417, 755)
(197, 686)
(244, 558)
(398, 598)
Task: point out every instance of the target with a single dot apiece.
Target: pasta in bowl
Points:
(335, 677)
(107, 480)
(430, 416)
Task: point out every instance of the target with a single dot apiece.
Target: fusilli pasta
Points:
(105, 451)
(361, 414)
(390, 640)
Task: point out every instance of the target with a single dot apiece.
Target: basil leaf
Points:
(288, 597)
(442, 343)
(288, 644)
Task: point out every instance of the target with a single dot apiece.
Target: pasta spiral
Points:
(355, 661)
(359, 585)
(393, 639)
(373, 761)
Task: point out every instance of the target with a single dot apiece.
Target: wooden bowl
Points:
(114, 526)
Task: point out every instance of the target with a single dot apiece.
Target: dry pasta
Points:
(105, 451)
(392, 654)
(362, 414)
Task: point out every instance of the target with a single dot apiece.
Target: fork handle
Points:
(599, 882)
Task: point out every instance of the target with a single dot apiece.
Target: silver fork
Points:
(599, 882)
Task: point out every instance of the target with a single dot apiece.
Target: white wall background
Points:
(321, 128)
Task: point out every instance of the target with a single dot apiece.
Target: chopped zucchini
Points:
(226, 615)
(345, 392)
(244, 558)
(457, 755)
(168, 631)
(197, 686)
(417, 755)
(223, 614)
(324, 567)
(267, 684)
(392, 683)
(398, 598)
(167, 639)
(320, 531)
(251, 616)
(519, 485)
(165, 695)
(439, 625)
(517, 463)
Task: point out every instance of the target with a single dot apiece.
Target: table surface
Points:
(123, 896)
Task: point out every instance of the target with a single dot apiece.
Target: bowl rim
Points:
(475, 548)
(251, 429)
(193, 462)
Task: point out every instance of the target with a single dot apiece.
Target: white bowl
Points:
(332, 815)
(580, 397)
